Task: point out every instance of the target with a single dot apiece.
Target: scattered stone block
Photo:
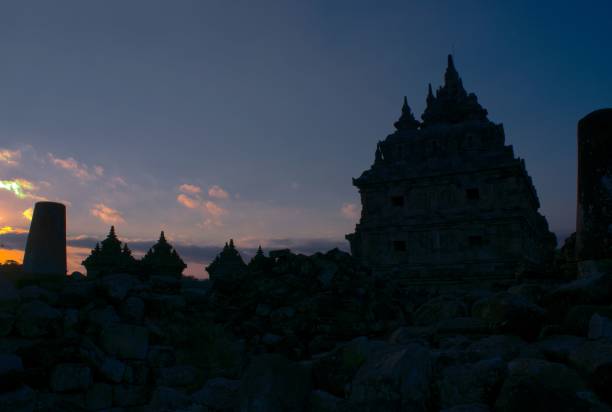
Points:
(68, 377)
(218, 394)
(177, 376)
(7, 319)
(19, 400)
(9, 296)
(130, 395)
(475, 383)
(506, 347)
(383, 381)
(169, 399)
(161, 356)
(125, 341)
(535, 384)
(36, 319)
(511, 314)
(600, 327)
(132, 309)
(438, 309)
(321, 401)
(274, 384)
(594, 359)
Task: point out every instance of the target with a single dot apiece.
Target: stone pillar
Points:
(45, 252)
(594, 208)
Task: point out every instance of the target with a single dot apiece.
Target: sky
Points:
(213, 120)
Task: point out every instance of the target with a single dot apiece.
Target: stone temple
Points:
(446, 198)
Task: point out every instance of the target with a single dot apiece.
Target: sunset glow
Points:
(19, 187)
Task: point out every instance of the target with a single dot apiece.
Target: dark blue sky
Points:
(278, 103)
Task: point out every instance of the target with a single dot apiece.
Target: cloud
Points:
(13, 240)
(28, 213)
(350, 211)
(21, 188)
(118, 181)
(187, 201)
(9, 229)
(214, 209)
(10, 157)
(106, 214)
(78, 170)
(187, 188)
(217, 192)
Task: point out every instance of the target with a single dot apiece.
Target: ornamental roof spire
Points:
(406, 120)
(452, 104)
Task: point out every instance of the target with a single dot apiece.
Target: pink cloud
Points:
(187, 188)
(217, 192)
(106, 214)
(187, 201)
(118, 181)
(350, 211)
(78, 170)
(214, 209)
(10, 157)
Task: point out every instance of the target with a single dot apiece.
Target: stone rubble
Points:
(304, 333)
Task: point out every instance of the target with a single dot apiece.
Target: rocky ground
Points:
(300, 333)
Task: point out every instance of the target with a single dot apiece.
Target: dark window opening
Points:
(399, 245)
(397, 201)
(472, 194)
(475, 240)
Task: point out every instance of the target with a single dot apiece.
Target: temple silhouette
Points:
(446, 198)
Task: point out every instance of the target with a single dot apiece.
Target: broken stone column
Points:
(45, 252)
(594, 208)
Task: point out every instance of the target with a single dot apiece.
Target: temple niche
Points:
(447, 199)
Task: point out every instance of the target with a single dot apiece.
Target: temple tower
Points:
(446, 199)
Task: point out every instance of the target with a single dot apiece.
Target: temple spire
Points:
(406, 120)
(451, 104)
(430, 96)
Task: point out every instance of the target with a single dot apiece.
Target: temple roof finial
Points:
(406, 120)
(451, 64)
(430, 96)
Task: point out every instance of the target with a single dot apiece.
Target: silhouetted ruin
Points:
(594, 211)
(447, 199)
(162, 259)
(110, 257)
(227, 265)
(45, 252)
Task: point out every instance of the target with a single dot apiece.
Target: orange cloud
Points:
(78, 170)
(214, 209)
(106, 214)
(187, 201)
(10, 157)
(187, 188)
(9, 229)
(350, 211)
(217, 192)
